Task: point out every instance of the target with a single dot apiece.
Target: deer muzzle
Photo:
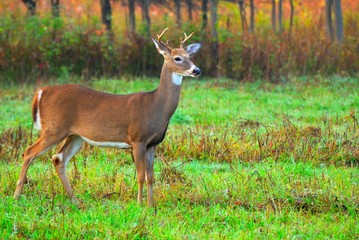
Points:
(196, 71)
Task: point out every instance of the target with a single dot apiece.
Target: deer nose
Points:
(196, 71)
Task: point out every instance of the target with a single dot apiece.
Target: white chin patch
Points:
(177, 79)
(38, 120)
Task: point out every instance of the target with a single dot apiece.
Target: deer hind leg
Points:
(70, 147)
(43, 144)
(149, 175)
(139, 152)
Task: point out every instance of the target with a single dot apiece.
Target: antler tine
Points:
(185, 39)
(159, 36)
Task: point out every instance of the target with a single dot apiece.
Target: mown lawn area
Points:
(240, 161)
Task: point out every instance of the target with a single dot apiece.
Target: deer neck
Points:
(168, 92)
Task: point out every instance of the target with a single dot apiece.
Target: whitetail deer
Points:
(75, 114)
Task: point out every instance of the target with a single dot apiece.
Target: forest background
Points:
(242, 40)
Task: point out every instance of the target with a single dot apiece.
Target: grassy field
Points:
(240, 161)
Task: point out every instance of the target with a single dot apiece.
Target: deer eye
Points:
(178, 59)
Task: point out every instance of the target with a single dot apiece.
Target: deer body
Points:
(73, 114)
(101, 117)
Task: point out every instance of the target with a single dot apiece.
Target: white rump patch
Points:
(177, 79)
(38, 120)
(107, 144)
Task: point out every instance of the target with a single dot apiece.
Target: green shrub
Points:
(33, 48)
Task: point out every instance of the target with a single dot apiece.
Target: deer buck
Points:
(74, 114)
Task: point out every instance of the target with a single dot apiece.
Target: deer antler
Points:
(159, 36)
(185, 39)
(159, 39)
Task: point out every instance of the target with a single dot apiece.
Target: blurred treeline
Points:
(242, 39)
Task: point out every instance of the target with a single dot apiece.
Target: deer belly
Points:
(107, 144)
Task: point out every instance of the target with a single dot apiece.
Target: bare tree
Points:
(106, 13)
(328, 18)
(251, 12)
(280, 15)
(31, 6)
(55, 8)
(145, 4)
(291, 14)
(189, 9)
(214, 43)
(178, 12)
(204, 14)
(274, 22)
(131, 9)
(242, 12)
(339, 32)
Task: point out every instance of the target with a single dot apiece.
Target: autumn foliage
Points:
(40, 46)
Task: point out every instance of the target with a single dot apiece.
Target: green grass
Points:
(240, 161)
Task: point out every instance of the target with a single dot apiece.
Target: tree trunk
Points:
(274, 24)
(106, 13)
(280, 15)
(251, 26)
(291, 14)
(145, 4)
(131, 9)
(214, 42)
(178, 13)
(189, 8)
(31, 6)
(204, 14)
(339, 32)
(55, 8)
(328, 18)
(242, 13)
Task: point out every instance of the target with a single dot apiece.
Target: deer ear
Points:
(193, 48)
(161, 48)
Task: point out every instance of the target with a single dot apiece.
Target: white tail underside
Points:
(38, 120)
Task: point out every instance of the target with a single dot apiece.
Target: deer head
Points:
(178, 60)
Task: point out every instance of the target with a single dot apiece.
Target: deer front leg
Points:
(150, 155)
(139, 152)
